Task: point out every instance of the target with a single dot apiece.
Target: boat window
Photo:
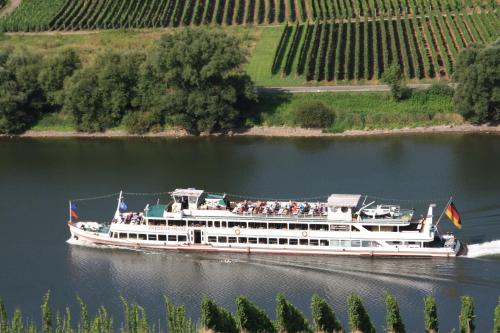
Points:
(273, 240)
(210, 224)
(217, 224)
(111, 235)
(252, 240)
(224, 224)
(197, 223)
(123, 235)
(262, 240)
(162, 238)
(339, 227)
(222, 239)
(315, 226)
(157, 222)
(177, 223)
(344, 209)
(232, 240)
(132, 236)
(299, 226)
(182, 238)
(115, 235)
(335, 243)
(151, 237)
(345, 243)
(394, 243)
(172, 238)
(237, 224)
(366, 243)
(212, 239)
(242, 240)
(277, 226)
(283, 241)
(257, 225)
(293, 241)
(304, 242)
(314, 242)
(324, 242)
(142, 236)
(355, 243)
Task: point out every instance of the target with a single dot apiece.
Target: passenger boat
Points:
(195, 220)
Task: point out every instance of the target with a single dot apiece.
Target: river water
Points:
(38, 176)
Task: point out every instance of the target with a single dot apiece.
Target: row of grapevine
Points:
(37, 15)
(354, 50)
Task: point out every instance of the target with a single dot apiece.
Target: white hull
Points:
(104, 239)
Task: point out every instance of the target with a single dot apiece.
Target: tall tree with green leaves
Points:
(466, 317)
(477, 74)
(251, 318)
(359, 321)
(431, 324)
(324, 319)
(206, 88)
(289, 319)
(177, 321)
(394, 322)
(393, 77)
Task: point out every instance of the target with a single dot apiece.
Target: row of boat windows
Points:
(249, 225)
(150, 237)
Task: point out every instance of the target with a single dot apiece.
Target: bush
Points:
(142, 122)
(466, 317)
(216, 318)
(324, 318)
(314, 115)
(288, 318)
(359, 321)
(252, 319)
(394, 321)
(440, 89)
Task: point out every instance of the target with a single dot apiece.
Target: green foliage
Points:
(4, 319)
(84, 324)
(288, 318)
(204, 81)
(314, 115)
(47, 326)
(466, 317)
(431, 324)
(102, 322)
(324, 319)
(394, 322)
(496, 319)
(477, 74)
(393, 77)
(177, 320)
(217, 318)
(251, 318)
(54, 71)
(16, 325)
(359, 321)
(136, 320)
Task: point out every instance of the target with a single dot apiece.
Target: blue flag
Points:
(73, 206)
(123, 206)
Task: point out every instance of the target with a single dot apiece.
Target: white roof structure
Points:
(190, 192)
(343, 200)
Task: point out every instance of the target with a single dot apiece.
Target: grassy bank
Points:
(361, 110)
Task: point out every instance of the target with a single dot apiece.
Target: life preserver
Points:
(237, 231)
(304, 233)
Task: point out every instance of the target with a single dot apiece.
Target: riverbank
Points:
(272, 131)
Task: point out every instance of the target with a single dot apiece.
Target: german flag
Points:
(452, 213)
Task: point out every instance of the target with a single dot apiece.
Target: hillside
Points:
(297, 41)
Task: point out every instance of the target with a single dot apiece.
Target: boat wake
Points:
(484, 249)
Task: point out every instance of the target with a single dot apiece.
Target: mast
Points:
(69, 211)
(117, 212)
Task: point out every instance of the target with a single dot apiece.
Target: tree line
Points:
(248, 318)
(191, 78)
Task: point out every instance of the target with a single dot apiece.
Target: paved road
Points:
(352, 88)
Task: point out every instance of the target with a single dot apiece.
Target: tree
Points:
(394, 321)
(359, 321)
(251, 318)
(53, 73)
(46, 314)
(324, 318)
(466, 317)
(288, 318)
(4, 320)
(393, 77)
(430, 315)
(477, 74)
(16, 325)
(496, 320)
(314, 115)
(200, 72)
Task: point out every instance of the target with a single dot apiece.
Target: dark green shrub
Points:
(466, 317)
(288, 318)
(430, 315)
(314, 115)
(394, 321)
(359, 321)
(216, 318)
(141, 122)
(324, 318)
(440, 89)
(177, 320)
(252, 319)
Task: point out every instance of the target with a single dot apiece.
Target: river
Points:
(38, 176)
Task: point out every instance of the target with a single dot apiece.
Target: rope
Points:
(237, 196)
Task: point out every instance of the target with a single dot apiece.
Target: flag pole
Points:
(444, 210)
(69, 211)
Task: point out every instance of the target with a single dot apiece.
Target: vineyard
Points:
(38, 15)
(361, 48)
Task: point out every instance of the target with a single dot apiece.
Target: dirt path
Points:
(9, 7)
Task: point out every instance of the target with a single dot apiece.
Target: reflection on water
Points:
(38, 176)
